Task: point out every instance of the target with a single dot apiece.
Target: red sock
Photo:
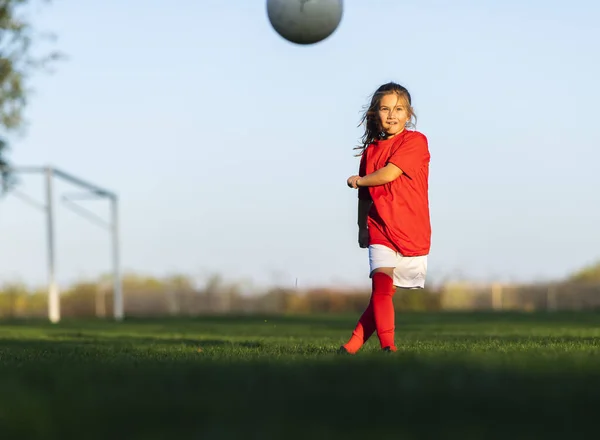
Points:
(363, 331)
(383, 309)
(379, 316)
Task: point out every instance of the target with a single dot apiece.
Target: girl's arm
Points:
(384, 175)
(363, 212)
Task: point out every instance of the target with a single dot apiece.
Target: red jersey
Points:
(399, 216)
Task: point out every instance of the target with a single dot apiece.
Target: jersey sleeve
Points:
(363, 192)
(411, 155)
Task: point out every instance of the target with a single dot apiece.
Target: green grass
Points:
(479, 376)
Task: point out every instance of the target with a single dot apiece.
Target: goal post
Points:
(112, 226)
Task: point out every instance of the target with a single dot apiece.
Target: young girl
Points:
(393, 210)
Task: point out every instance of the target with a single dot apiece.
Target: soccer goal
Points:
(91, 192)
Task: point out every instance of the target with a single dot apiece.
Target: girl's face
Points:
(394, 113)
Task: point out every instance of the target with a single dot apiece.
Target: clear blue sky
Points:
(230, 147)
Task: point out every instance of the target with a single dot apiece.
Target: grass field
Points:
(479, 376)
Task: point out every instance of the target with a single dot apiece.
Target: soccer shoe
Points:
(342, 350)
(389, 349)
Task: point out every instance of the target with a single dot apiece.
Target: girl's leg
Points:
(383, 306)
(363, 330)
(379, 314)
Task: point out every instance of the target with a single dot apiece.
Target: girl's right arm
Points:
(364, 205)
(363, 232)
(364, 196)
(363, 212)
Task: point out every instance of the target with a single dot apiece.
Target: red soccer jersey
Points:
(399, 217)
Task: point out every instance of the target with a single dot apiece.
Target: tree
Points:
(16, 66)
(589, 273)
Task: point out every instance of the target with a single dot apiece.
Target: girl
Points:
(393, 209)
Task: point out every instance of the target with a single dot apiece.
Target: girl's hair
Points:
(370, 118)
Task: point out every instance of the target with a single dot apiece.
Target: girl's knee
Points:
(389, 271)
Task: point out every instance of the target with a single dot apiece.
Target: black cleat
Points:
(342, 350)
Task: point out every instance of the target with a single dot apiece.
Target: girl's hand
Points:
(352, 181)
(363, 238)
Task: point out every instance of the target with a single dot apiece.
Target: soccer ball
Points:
(305, 21)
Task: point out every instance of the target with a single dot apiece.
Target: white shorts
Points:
(409, 272)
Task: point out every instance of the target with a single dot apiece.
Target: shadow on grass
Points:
(55, 391)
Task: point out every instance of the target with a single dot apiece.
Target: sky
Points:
(229, 147)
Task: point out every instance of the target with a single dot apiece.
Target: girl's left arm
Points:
(384, 175)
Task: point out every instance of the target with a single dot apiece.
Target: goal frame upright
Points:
(49, 173)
